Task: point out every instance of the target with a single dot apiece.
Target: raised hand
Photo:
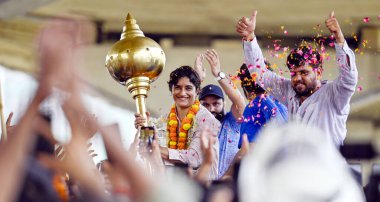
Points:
(8, 125)
(56, 55)
(207, 142)
(198, 66)
(134, 146)
(59, 54)
(246, 26)
(155, 158)
(89, 129)
(244, 149)
(213, 59)
(333, 26)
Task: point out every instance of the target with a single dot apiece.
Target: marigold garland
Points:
(178, 141)
(60, 187)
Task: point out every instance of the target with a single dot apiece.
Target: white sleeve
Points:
(274, 84)
(345, 84)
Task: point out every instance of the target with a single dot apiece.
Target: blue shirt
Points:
(257, 113)
(229, 135)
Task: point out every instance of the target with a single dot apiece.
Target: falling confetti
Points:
(355, 37)
(366, 19)
(360, 88)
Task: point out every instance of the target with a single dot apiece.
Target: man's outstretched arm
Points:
(274, 84)
(237, 99)
(344, 85)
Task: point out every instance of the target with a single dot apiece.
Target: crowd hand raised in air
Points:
(207, 142)
(212, 58)
(198, 66)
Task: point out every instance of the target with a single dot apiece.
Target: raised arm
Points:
(56, 51)
(344, 85)
(237, 99)
(198, 66)
(274, 84)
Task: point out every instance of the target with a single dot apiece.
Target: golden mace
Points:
(135, 61)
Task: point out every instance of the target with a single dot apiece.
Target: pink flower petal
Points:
(360, 88)
(366, 19)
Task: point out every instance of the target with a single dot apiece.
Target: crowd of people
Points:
(277, 142)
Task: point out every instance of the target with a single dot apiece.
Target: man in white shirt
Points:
(315, 102)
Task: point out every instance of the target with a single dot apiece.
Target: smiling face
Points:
(305, 79)
(184, 93)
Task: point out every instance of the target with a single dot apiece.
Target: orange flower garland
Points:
(60, 187)
(178, 141)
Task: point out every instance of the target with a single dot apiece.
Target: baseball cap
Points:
(211, 90)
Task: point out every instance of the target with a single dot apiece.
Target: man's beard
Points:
(220, 116)
(308, 89)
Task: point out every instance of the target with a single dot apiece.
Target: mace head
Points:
(134, 55)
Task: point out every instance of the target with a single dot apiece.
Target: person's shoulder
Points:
(229, 114)
(265, 100)
(229, 117)
(204, 115)
(268, 103)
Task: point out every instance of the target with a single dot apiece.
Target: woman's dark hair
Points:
(247, 81)
(184, 71)
(302, 55)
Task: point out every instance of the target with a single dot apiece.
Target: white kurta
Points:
(327, 108)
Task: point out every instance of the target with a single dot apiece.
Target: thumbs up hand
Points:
(333, 26)
(246, 26)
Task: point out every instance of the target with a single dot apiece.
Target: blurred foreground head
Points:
(295, 163)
